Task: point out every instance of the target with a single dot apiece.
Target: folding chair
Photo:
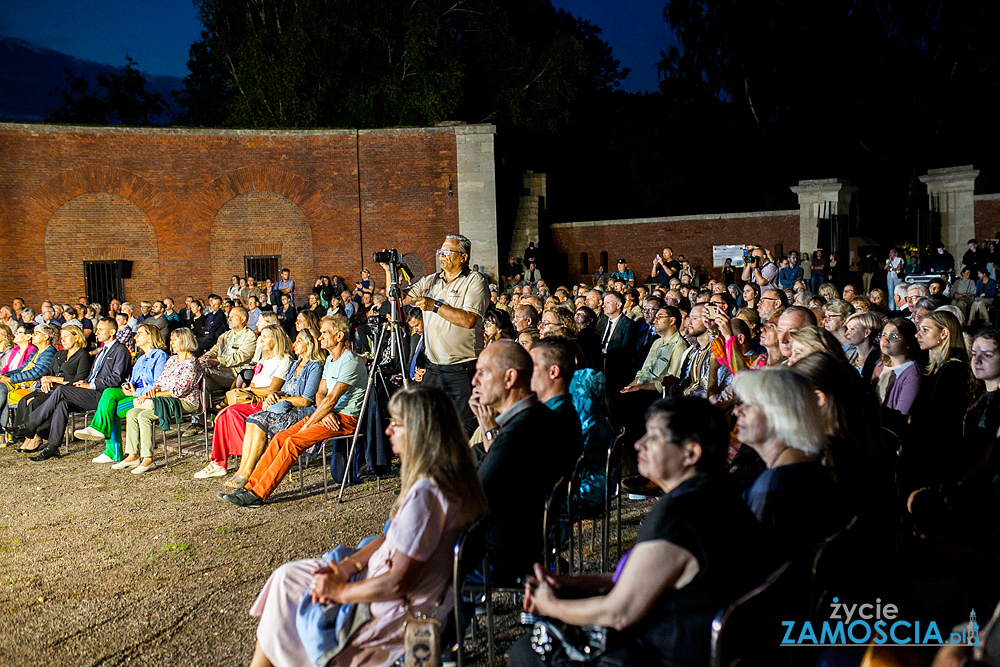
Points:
(322, 449)
(612, 476)
(471, 543)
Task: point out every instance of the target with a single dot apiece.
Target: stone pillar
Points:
(951, 192)
(820, 197)
(477, 194)
(530, 210)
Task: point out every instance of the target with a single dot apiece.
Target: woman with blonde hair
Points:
(406, 571)
(807, 340)
(180, 380)
(945, 394)
(116, 402)
(269, 377)
(862, 330)
(6, 345)
(281, 409)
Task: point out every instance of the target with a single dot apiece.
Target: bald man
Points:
(521, 456)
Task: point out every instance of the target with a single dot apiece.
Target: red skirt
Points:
(230, 425)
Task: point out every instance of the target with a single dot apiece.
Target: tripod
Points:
(391, 334)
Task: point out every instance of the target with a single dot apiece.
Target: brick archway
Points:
(100, 226)
(262, 223)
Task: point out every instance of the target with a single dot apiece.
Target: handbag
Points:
(240, 396)
(558, 643)
(421, 638)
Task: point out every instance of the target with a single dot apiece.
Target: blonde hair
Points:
(282, 344)
(185, 339)
(314, 351)
(268, 317)
(789, 405)
(155, 335)
(818, 339)
(954, 348)
(73, 330)
(6, 338)
(437, 449)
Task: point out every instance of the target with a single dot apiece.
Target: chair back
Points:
(832, 566)
(469, 553)
(741, 632)
(554, 505)
(613, 468)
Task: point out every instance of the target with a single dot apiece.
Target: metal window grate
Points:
(103, 281)
(262, 267)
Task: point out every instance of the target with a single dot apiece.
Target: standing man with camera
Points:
(454, 301)
(759, 268)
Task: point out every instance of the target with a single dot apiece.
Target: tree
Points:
(357, 63)
(123, 101)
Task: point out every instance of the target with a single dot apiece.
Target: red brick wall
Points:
(987, 219)
(185, 206)
(639, 242)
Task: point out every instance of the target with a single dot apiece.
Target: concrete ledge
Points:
(995, 195)
(44, 128)
(676, 218)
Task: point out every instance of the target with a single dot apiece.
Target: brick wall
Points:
(987, 217)
(640, 240)
(186, 205)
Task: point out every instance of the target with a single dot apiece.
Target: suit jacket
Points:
(215, 324)
(421, 357)
(527, 457)
(115, 369)
(619, 361)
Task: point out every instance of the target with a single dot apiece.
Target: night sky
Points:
(157, 33)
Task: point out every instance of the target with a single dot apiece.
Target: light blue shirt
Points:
(349, 369)
(147, 369)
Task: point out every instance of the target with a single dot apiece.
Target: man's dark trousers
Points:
(57, 406)
(456, 381)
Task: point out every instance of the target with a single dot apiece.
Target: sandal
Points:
(237, 482)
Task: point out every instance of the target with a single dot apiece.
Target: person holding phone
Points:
(116, 402)
(665, 267)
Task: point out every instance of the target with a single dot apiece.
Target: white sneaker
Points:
(138, 470)
(122, 465)
(213, 469)
(89, 433)
(103, 458)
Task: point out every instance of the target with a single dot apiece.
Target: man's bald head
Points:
(509, 355)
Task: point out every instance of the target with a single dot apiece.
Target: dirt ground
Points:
(100, 567)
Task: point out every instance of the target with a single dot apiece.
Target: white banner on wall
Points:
(721, 252)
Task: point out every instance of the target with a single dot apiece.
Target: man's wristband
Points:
(437, 305)
(489, 435)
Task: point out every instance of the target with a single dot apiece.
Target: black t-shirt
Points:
(706, 516)
(663, 277)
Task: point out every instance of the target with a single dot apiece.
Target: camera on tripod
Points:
(391, 256)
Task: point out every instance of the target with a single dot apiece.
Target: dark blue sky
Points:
(157, 33)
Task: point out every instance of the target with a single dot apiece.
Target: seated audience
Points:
(497, 326)
(780, 418)
(44, 339)
(180, 381)
(690, 558)
(862, 331)
(897, 376)
(338, 404)
(69, 365)
(280, 409)
(588, 392)
(271, 374)
(21, 350)
(117, 401)
(231, 353)
(814, 339)
(110, 369)
(406, 571)
(522, 455)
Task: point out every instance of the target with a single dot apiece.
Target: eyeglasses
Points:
(883, 336)
(444, 252)
(770, 298)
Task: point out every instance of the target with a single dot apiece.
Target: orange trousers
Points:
(285, 448)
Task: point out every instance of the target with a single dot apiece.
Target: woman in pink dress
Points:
(411, 564)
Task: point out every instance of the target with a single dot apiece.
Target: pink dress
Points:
(425, 528)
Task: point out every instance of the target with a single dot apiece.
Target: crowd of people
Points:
(771, 405)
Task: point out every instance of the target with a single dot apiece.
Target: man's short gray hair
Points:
(464, 244)
(901, 290)
(921, 289)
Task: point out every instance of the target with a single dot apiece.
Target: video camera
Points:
(391, 256)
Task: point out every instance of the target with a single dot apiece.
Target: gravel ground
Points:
(102, 567)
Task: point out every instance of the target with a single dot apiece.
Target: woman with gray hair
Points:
(781, 420)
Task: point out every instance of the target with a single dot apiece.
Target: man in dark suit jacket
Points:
(522, 455)
(111, 368)
(417, 363)
(618, 335)
(216, 324)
